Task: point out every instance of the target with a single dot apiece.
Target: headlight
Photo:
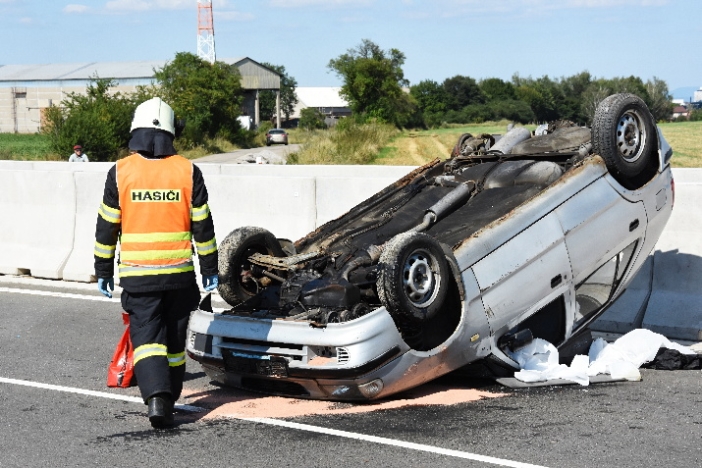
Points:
(371, 389)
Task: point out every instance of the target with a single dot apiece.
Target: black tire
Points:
(413, 277)
(624, 134)
(459, 145)
(234, 252)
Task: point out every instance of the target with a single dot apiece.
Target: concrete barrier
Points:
(53, 206)
(89, 189)
(38, 222)
(286, 207)
(49, 211)
(675, 306)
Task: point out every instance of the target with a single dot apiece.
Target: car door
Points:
(528, 273)
(603, 232)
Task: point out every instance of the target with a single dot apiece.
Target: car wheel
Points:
(459, 144)
(624, 134)
(413, 276)
(235, 282)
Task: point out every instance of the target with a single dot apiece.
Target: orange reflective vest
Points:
(155, 198)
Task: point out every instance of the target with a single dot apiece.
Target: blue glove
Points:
(209, 283)
(104, 284)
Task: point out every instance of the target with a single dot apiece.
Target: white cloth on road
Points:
(538, 360)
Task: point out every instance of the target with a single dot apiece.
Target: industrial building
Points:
(325, 99)
(26, 90)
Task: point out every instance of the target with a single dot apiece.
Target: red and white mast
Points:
(205, 31)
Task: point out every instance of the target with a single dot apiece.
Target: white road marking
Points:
(394, 443)
(80, 391)
(290, 425)
(37, 292)
(268, 421)
(85, 297)
(60, 284)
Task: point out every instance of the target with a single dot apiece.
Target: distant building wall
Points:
(26, 91)
(22, 107)
(698, 95)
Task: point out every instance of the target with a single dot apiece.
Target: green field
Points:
(406, 148)
(418, 147)
(26, 147)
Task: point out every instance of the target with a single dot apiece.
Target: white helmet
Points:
(154, 113)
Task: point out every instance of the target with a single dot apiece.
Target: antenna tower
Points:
(205, 31)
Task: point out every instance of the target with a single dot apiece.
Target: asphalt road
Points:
(274, 154)
(55, 344)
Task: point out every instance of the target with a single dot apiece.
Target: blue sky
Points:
(440, 38)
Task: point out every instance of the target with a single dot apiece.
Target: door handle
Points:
(556, 280)
(633, 225)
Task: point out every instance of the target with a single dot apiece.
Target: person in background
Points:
(78, 155)
(155, 205)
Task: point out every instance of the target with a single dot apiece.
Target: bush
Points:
(512, 109)
(99, 121)
(696, 115)
(346, 143)
(311, 119)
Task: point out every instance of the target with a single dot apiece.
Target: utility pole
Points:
(205, 31)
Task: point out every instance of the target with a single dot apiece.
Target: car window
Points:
(276, 132)
(595, 291)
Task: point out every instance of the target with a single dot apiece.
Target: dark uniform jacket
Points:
(108, 230)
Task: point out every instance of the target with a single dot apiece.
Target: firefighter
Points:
(155, 205)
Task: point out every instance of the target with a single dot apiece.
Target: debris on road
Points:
(621, 360)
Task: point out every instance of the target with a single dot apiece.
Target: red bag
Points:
(120, 372)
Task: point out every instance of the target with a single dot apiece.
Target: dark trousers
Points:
(158, 320)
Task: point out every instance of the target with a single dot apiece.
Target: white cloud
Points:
(534, 5)
(327, 4)
(75, 8)
(615, 3)
(143, 5)
(232, 16)
(26, 20)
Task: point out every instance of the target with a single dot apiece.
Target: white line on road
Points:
(85, 297)
(394, 443)
(80, 391)
(291, 425)
(37, 292)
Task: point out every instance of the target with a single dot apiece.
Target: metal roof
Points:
(140, 70)
(311, 96)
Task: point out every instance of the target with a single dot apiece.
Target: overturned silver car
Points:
(461, 261)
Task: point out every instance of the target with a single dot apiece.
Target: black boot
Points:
(160, 411)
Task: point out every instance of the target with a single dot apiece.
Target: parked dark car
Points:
(461, 261)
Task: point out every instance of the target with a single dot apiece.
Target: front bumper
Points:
(338, 362)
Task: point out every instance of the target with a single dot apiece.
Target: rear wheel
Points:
(624, 134)
(236, 284)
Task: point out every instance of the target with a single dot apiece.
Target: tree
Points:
(208, 96)
(462, 91)
(660, 103)
(311, 118)
(511, 109)
(494, 89)
(431, 101)
(572, 89)
(601, 88)
(430, 96)
(373, 81)
(98, 120)
(288, 98)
